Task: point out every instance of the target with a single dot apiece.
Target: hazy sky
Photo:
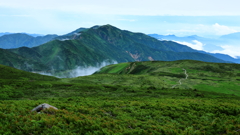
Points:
(207, 18)
(180, 17)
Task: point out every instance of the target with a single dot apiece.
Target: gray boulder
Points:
(43, 107)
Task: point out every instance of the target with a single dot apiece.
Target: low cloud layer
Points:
(83, 71)
(79, 71)
(222, 29)
(233, 51)
(205, 30)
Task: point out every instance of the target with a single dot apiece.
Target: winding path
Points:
(180, 83)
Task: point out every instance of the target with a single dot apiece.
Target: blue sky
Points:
(185, 17)
(206, 18)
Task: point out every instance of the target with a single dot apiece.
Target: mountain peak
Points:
(95, 27)
(171, 35)
(106, 26)
(16, 35)
(76, 31)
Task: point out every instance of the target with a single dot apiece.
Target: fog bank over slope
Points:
(78, 71)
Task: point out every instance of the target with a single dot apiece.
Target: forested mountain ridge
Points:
(108, 44)
(17, 40)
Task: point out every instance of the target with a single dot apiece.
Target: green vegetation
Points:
(128, 115)
(126, 98)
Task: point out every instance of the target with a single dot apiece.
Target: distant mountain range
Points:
(33, 35)
(232, 36)
(5, 33)
(91, 47)
(19, 40)
(208, 43)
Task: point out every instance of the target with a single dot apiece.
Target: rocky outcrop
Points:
(136, 56)
(150, 58)
(43, 107)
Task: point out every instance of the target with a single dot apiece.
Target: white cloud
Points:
(195, 45)
(83, 71)
(79, 71)
(229, 50)
(222, 29)
(133, 7)
(201, 30)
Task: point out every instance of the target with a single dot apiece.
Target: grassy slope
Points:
(9, 58)
(133, 98)
(15, 74)
(14, 83)
(215, 77)
(70, 53)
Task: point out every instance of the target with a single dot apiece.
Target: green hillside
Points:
(126, 98)
(215, 77)
(9, 58)
(63, 55)
(14, 83)
(16, 74)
